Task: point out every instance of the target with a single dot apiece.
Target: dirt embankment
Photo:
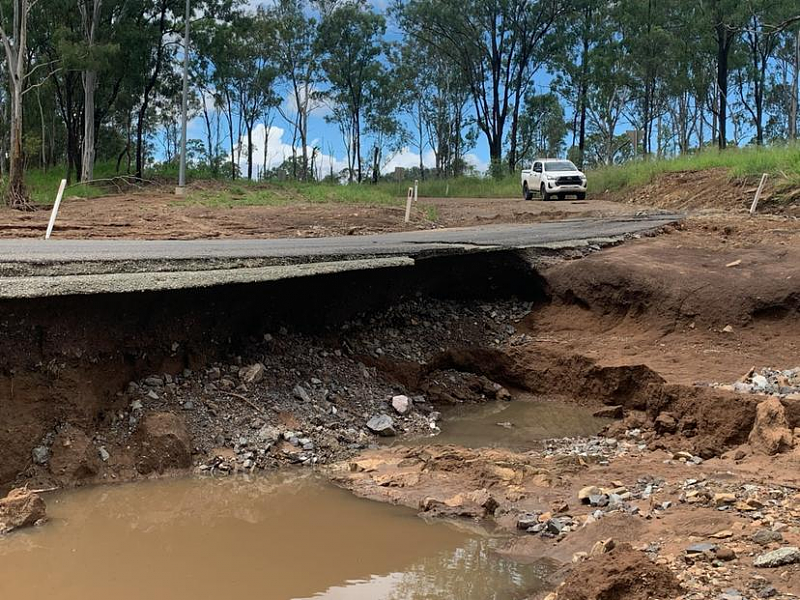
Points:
(712, 190)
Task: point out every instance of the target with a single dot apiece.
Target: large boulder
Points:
(163, 443)
(770, 434)
(21, 508)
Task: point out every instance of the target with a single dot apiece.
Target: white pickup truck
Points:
(553, 178)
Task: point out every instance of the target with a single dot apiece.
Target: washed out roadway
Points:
(33, 268)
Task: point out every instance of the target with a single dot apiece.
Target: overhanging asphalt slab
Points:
(31, 268)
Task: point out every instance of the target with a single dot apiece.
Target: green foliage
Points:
(782, 162)
(290, 193)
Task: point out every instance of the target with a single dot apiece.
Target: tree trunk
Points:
(723, 52)
(90, 23)
(795, 90)
(147, 91)
(16, 53)
(89, 86)
(43, 161)
(249, 127)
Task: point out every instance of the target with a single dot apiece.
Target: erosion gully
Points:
(248, 430)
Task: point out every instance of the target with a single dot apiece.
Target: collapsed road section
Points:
(34, 268)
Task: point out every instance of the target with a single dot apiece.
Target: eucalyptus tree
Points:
(497, 45)
(352, 48)
(14, 37)
(297, 54)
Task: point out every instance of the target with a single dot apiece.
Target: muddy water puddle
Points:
(521, 424)
(273, 538)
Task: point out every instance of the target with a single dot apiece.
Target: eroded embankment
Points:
(66, 363)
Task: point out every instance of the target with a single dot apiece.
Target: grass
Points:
(782, 162)
(43, 185)
(281, 194)
(751, 162)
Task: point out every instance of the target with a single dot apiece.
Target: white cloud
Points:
(278, 151)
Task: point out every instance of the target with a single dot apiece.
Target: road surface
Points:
(31, 268)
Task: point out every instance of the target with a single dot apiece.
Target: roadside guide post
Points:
(760, 189)
(54, 213)
(409, 198)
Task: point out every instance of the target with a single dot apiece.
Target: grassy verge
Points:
(780, 161)
(281, 194)
(43, 185)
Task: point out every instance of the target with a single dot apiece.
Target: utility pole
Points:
(181, 189)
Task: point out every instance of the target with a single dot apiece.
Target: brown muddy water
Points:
(520, 425)
(282, 537)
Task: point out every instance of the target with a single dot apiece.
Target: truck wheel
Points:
(581, 196)
(545, 196)
(526, 193)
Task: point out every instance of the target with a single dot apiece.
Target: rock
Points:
(401, 404)
(555, 526)
(268, 434)
(382, 425)
(21, 508)
(771, 434)
(725, 553)
(586, 493)
(252, 374)
(103, 453)
(609, 412)
(727, 329)
(301, 394)
(762, 537)
(701, 548)
(666, 423)
(163, 443)
(723, 498)
(602, 546)
(477, 504)
(527, 521)
(783, 556)
(731, 594)
(41, 454)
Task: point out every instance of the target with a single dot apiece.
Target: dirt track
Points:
(158, 215)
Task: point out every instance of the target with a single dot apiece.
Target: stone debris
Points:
(21, 508)
(383, 425)
(769, 381)
(777, 558)
(401, 404)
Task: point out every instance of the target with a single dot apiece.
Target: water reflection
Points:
(518, 425)
(272, 538)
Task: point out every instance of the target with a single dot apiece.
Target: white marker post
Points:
(409, 198)
(54, 214)
(416, 190)
(760, 189)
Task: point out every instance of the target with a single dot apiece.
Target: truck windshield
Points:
(561, 165)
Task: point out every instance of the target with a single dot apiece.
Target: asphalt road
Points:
(30, 267)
